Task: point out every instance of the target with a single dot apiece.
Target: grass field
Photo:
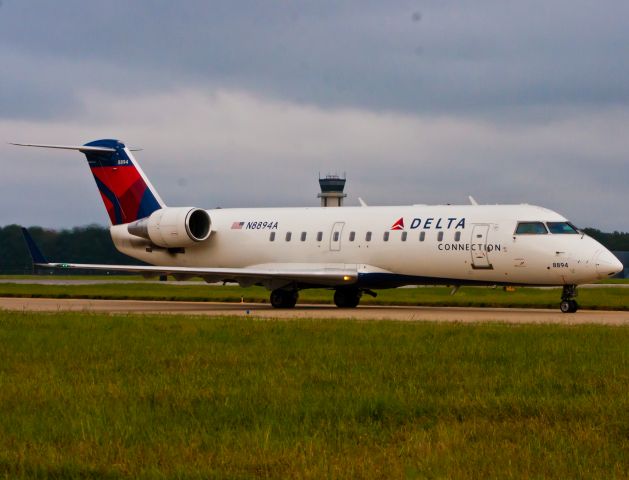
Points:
(608, 298)
(95, 396)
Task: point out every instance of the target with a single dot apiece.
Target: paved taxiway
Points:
(439, 314)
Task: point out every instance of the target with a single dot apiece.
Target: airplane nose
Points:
(607, 265)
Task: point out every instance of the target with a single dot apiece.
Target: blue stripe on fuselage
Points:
(394, 280)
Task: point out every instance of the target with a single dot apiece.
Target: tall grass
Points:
(93, 396)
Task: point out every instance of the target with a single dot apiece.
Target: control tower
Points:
(332, 191)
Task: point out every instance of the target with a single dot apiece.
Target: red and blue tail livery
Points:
(127, 193)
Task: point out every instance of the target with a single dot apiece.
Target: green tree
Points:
(89, 244)
(617, 241)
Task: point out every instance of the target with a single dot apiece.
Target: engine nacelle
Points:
(173, 227)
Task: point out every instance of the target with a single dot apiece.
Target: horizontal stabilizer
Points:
(127, 193)
(80, 148)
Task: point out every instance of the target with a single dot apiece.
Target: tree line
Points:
(92, 244)
(615, 241)
(89, 244)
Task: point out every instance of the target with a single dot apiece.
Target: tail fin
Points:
(126, 192)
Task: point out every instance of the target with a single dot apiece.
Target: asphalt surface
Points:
(438, 314)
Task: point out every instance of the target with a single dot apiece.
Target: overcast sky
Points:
(241, 103)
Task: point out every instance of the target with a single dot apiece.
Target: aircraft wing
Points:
(271, 275)
(315, 274)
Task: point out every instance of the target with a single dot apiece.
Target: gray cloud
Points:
(475, 56)
(242, 104)
(234, 149)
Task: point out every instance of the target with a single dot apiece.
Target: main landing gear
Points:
(568, 303)
(347, 297)
(281, 298)
(344, 297)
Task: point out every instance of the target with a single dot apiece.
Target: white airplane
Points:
(352, 250)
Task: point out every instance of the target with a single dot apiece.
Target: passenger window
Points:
(319, 236)
(457, 237)
(303, 236)
(531, 228)
(336, 236)
(440, 237)
(385, 237)
(404, 234)
(272, 237)
(288, 235)
(352, 236)
(422, 236)
(561, 227)
(368, 237)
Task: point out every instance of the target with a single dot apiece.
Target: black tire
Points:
(284, 298)
(568, 306)
(347, 297)
(565, 306)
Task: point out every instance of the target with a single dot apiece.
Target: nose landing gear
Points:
(568, 303)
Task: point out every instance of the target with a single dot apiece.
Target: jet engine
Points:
(173, 227)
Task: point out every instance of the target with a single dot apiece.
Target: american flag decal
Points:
(237, 225)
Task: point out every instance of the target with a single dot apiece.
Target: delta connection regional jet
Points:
(352, 250)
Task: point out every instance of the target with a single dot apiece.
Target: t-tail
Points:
(126, 192)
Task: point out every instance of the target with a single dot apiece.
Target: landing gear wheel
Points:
(284, 298)
(568, 303)
(347, 297)
(568, 306)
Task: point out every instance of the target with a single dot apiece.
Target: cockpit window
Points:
(531, 228)
(561, 227)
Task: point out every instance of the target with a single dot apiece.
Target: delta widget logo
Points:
(399, 224)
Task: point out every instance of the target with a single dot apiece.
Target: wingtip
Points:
(36, 255)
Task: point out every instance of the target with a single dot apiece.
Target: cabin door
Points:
(335, 236)
(480, 259)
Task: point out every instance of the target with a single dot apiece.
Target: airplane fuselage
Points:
(393, 246)
(349, 249)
